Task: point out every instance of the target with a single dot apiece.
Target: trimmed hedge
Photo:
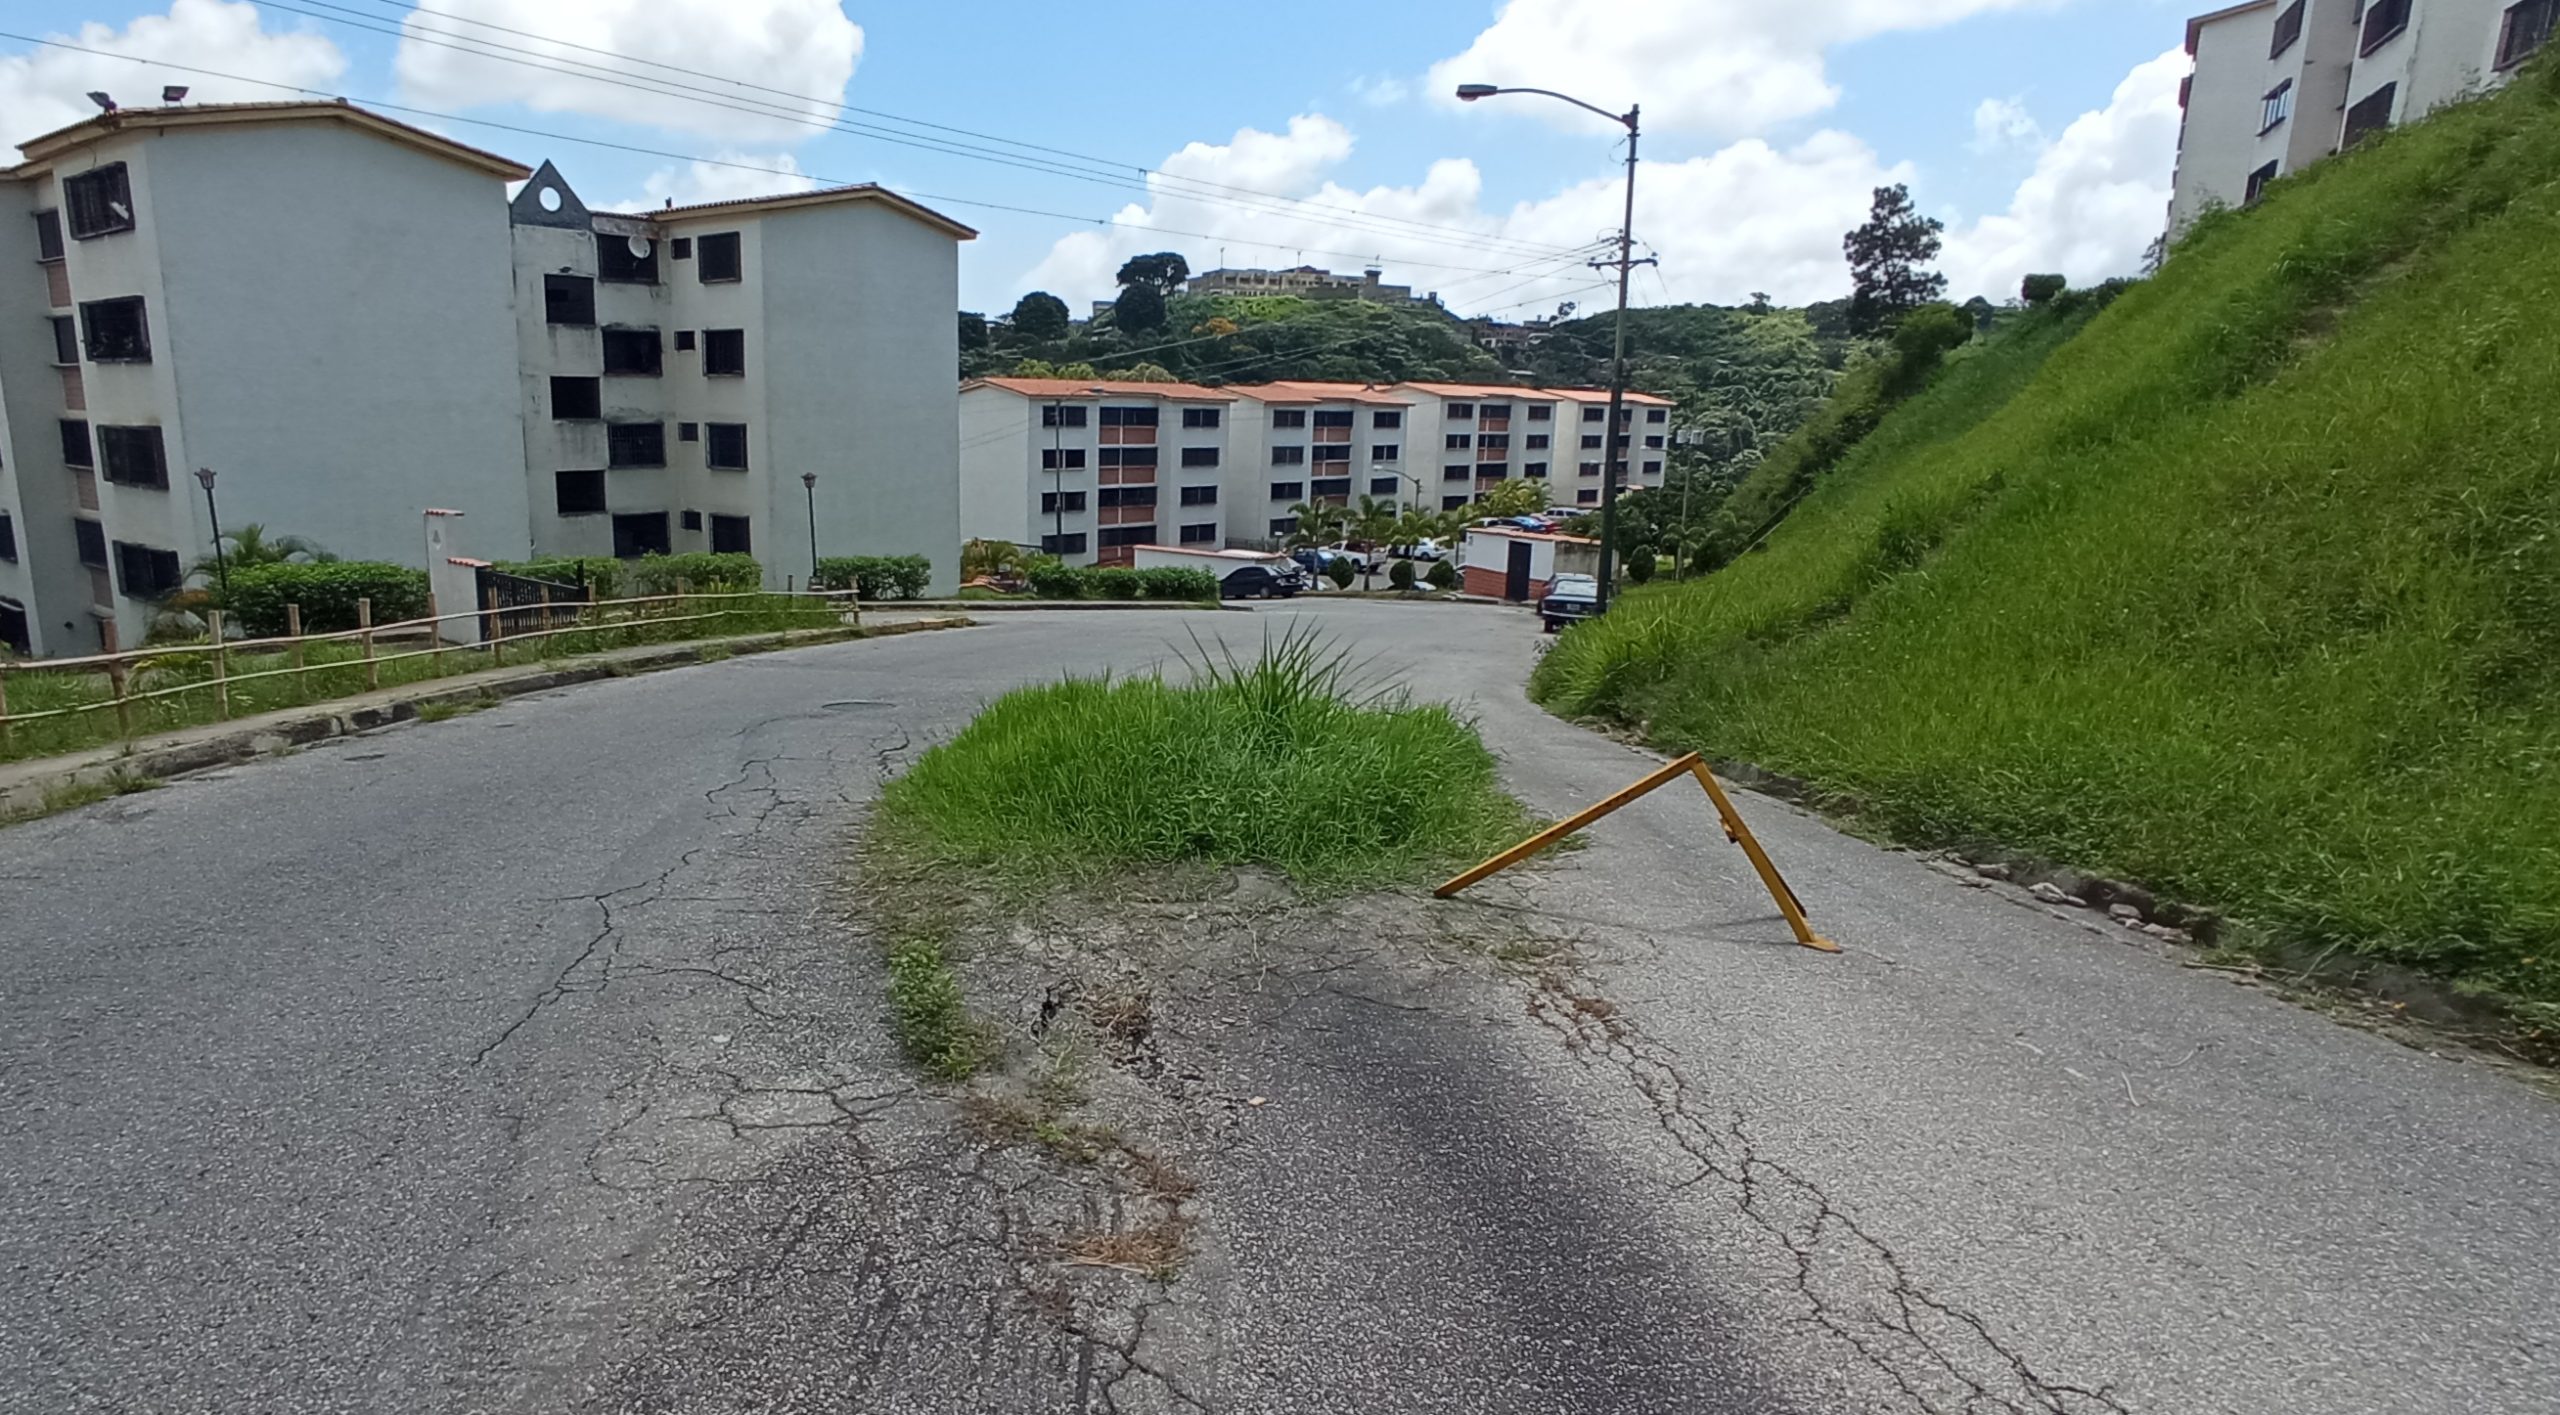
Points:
(327, 592)
(701, 572)
(1051, 580)
(1442, 575)
(876, 576)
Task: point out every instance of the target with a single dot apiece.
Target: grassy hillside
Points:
(2251, 588)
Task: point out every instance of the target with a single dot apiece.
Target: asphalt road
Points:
(519, 1063)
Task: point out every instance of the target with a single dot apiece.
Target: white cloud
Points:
(1749, 217)
(730, 176)
(803, 48)
(46, 88)
(1719, 66)
(2003, 123)
(1380, 90)
(2098, 195)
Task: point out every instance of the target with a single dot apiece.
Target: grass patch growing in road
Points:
(1280, 760)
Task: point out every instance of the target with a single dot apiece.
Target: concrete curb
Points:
(27, 787)
(1017, 606)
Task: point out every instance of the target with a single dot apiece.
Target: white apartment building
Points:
(1481, 435)
(2281, 84)
(1316, 444)
(1088, 470)
(344, 318)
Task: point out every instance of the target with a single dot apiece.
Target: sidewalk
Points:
(27, 787)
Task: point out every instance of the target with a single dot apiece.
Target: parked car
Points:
(1362, 560)
(1255, 582)
(1424, 549)
(1569, 599)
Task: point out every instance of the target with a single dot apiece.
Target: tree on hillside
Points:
(1887, 260)
(1142, 373)
(1759, 302)
(2041, 289)
(1042, 368)
(1162, 272)
(1140, 310)
(973, 330)
(1040, 316)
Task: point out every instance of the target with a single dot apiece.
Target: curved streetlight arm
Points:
(1471, 92)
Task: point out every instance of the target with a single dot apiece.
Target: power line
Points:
(389, 106)
(407, 10)
(1365, 223)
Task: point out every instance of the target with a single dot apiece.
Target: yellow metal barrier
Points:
(1734, 830)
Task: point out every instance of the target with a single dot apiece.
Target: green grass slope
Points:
(2250, 589)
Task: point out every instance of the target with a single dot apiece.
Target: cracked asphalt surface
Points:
(523, 1062)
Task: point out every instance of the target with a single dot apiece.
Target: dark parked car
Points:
(1570, 599)
(1255, 582)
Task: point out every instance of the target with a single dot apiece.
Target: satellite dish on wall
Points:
(638, 246)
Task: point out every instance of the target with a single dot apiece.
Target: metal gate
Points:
(517, 604)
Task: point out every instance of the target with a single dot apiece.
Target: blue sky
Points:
(2036, 128)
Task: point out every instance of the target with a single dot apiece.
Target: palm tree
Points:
(250, 546)
(989, 558)
(1319, 523)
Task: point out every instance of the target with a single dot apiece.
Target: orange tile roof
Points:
(1517, 533)
(1308, 391)
(189, 115)
(1601, 395)
(1065, 388)
(1475, 390)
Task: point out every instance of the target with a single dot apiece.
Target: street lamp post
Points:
(221, 562)
(1612, 460)
(809, 484)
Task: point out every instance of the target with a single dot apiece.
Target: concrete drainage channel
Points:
(37, 786)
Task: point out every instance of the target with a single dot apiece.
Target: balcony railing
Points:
(75, 393)
(84, 487)
(1127, 476)
(57, 284)
(1128, 436)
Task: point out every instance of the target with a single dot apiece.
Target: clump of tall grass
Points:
(1281, 759)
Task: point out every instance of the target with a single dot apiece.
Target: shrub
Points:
(327, 592)
(1401, 576)
(1443, 575)
(876, 576)
(701, 572)
(1167, 582)
(1051, 579)
(1340, 572)
(2040, 288)
(1111, 583)
(600, 574)
(1640, 565)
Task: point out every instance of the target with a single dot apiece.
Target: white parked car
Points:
(1424, 549)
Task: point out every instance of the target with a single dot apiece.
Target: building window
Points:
(1453, 503)
(2288, 29)
(684, 341)
(1063, 545)
(1654, 443)
(1289, 417)
(1288, 491)
(626, 260)
(1199, 456)
(2383, 22)
(8, 538)
(1337, 452)
(1657, 415)
(2528, 26)
(1200, 417)
(641, 533)
(1335, 418)
(1073, 457)
(1652, 469)
(1061, 415)
(1588, 496)
(1051, 503)
(569, 299)
(632, 351)
(578, 493)
(1456, 442)
(1494, 442)
(1330, 486)
(1128, 535)
(688, 432)
(1462, 412)
(1542, 412)
(1204, 533)
(145, 572)
(1284, 525)
(100, 202)
(635, 445)
(1534, 471)
(1458, 471)
(66, 340)
(724, 353)
(577, 399)
(681, 248)
(721, 263)
(2276, 106)
(1128, 496)
(1591, 442)
(1535, 442)
(1386, 420)
(133, 456)
(1199, 496)
(1128, 456)
(92, 539)
(115, 331)
(1384, 486)
(725, 449)
(1288, 456)
(75, 444)
(48, 235)
(1495, 410)
(2258, 184)
(690, 520)
(730, 535)
(1385, 451)
(1129, 417)
(1589, 469)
